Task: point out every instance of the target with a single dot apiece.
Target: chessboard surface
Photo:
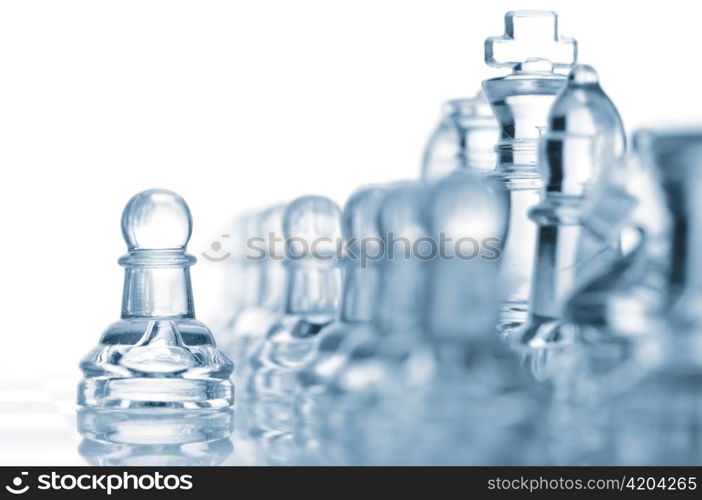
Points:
(38, 428)
(37, 422)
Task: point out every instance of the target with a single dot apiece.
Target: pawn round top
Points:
(465, 206)
(360, 216)
(312, 225)
(156, 219)
(402, 213)
(360, 219)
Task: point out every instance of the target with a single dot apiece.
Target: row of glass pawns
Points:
(405, 355)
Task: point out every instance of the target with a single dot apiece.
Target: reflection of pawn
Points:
(464, 140)
(148, 437)
(585, 137)
(158, 354)
(312, 230)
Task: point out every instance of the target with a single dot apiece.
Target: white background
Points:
(236, 105)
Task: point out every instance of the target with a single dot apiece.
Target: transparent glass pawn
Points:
(363, 416)
(532, 48)
(253, 322)
(401, 291)
(312, 230)
(148, 437)
(359, 298)
(585, 138)
(158, 354)
(476, 405)
(464, 139)
(360, 290)
(240, 279)
(658, 420)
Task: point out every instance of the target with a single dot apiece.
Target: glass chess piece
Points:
(240, 283)
(658, 419)
(616, 310)
(359, 295)
(155, 437)
(474, 405)
(311, 227)
(158, 354)
(631, 201)
(312, 230)
(359, 298)
(464, 139)
(585, 137)
(253, 322)
(533, 49)
(359, 422)
(401, 291)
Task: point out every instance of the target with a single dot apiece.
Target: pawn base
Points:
(123, 393)
(156, 363)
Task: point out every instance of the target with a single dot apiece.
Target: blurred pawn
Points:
(241, 276)
(465, 139)
(401, 293)
(383, 358)
(253, 323)
(476, 405)
(312, 231)
(360, 290)
(364, 248)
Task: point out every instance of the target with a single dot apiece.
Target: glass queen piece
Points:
(158, 354)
